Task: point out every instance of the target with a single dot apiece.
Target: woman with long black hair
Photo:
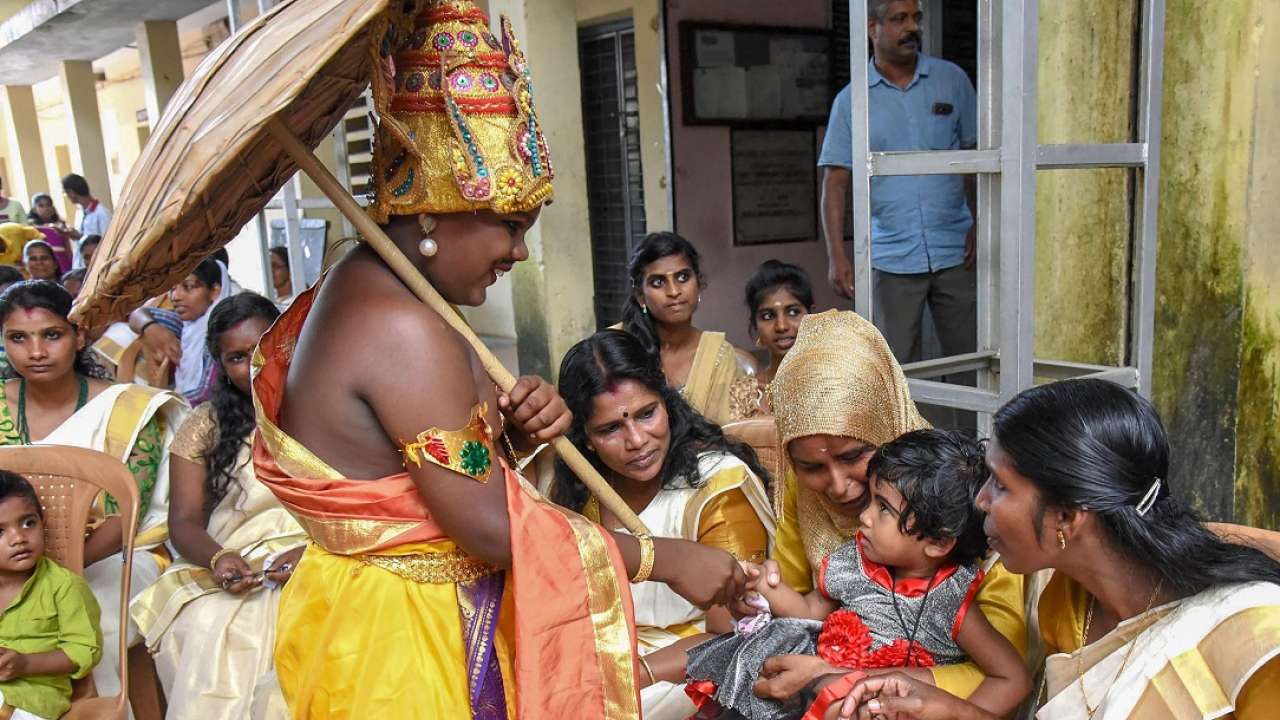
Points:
(1148, 614)
(679, 473)
(59, 396)
(210, 619)
(714, 377)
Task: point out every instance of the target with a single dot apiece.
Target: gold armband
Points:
(468, 452)
(646, 559)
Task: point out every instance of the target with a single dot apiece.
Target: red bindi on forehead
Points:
(29, 312)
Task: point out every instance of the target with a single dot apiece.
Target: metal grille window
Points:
(1006, 161)
(615, 189)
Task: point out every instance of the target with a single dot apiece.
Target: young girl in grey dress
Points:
(898, 595)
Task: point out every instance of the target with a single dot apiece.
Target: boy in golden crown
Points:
(437, 585)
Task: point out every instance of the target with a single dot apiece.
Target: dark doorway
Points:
(615, 187)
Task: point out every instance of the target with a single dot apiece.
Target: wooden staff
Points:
(409, 275)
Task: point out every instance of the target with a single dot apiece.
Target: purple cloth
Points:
(478, 604)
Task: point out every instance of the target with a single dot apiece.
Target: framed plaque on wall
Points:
(755, 76)
(774, 186)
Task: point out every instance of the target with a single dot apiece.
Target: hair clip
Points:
(1149, 499)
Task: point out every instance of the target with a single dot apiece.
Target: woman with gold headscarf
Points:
(839, 394)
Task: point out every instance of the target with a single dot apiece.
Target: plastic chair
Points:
(67, 480)
(762, 435)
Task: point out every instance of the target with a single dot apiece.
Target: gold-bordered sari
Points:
(1215, 654)
(730, 511)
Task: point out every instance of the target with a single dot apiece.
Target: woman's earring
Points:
(644, 309)
(1062, 540)
(428, 247)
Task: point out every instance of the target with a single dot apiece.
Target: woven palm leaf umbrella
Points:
(233, 134)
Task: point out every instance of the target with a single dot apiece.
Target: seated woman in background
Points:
(60, 398)
(73, 281)
(1148, 613)
(778, 294)
(679, 473)
(713, 376)
(44, 217)
(185, 350)
(207, 621)
(88, 248)
(40, 262)
(281, 280)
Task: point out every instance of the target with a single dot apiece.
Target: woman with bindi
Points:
(699, 492)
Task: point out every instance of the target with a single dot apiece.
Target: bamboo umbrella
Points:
(234, 132)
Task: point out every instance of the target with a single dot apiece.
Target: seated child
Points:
(49, 630)
(899, 595)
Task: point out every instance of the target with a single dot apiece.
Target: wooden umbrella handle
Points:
(409, 275)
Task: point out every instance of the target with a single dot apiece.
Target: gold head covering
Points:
(457, 130)
(839, 378)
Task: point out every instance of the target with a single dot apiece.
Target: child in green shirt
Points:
(49, 633)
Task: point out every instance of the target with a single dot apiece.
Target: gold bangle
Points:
(646, 559)
(653, 679)
(213, 561)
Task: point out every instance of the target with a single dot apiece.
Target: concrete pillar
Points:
(27, 174)
(653, 136)
(88, 153)
(161, 57)
(553, 291)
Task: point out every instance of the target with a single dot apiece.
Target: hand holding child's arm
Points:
(1007, 680)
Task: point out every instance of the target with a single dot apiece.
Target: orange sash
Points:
(574, 625)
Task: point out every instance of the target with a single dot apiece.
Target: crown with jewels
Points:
(457, 129)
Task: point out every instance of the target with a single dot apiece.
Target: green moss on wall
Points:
(1258, 436)
(1209, 103)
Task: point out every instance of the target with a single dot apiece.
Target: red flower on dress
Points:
(845, 640)
(894, 655)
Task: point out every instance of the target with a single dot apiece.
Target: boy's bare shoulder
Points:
(363, 301)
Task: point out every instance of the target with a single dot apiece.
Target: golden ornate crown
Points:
(457, 130)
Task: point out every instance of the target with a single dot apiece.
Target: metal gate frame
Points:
(1005, 162)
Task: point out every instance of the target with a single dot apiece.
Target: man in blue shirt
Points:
(922, 234)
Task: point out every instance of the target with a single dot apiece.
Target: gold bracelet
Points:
(653, 679)
(646, 559)
(213, 562)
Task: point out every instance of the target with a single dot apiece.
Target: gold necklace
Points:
(1084, 638)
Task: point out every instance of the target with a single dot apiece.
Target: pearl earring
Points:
(428, 247)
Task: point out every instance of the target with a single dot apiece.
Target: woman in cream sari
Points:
(1148, 613)
(715, 378)
(210, 619)
(680, 474)
(58, 399)
(838, 394)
